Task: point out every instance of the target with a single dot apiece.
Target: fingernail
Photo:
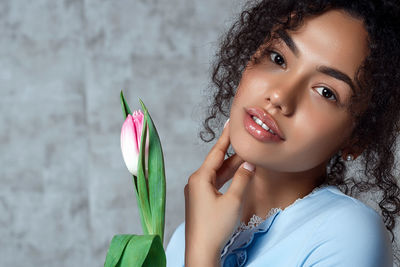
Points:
(249, 166)
(226, 122)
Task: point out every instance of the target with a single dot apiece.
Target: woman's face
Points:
(307, 101)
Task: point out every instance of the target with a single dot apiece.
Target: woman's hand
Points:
(210, 216)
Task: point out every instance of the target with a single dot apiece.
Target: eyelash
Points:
(270, 52)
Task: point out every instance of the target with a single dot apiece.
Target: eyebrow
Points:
(335, 73)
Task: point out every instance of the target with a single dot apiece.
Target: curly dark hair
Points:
(377, 80)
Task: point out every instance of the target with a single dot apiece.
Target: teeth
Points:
(263, 125)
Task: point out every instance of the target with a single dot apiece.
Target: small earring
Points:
(349, 157)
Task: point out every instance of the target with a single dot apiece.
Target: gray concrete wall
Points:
(65, 191)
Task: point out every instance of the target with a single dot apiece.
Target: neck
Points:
(268, 189)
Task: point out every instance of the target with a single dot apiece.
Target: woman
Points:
(307, 86)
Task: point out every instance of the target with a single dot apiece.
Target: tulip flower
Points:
(131, 134)
(145, 161)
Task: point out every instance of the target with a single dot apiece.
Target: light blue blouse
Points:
(325, 228)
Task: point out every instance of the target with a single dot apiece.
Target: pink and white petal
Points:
(129, 148)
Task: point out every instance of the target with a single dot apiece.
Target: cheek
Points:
(316, 140)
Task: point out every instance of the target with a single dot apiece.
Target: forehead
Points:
(333, 38)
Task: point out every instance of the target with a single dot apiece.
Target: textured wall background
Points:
(65, 190)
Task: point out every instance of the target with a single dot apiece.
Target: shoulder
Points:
(351, 214)
(352, 234)
(175, 251)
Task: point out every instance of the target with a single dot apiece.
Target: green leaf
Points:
(116, 249)
(140, 250)
(125, 108)
(145, 216)
(156, 179)
(142, 184)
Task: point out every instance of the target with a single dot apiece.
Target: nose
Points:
(284, 93)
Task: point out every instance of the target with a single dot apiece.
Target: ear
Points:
(351, 148)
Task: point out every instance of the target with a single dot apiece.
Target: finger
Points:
(216, 156)
(240, 180)
(227, 170)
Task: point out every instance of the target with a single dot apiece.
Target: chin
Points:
(245, 149)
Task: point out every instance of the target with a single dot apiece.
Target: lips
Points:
(265, 118)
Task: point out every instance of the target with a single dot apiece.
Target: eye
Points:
(277, 58)
(326, 92)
